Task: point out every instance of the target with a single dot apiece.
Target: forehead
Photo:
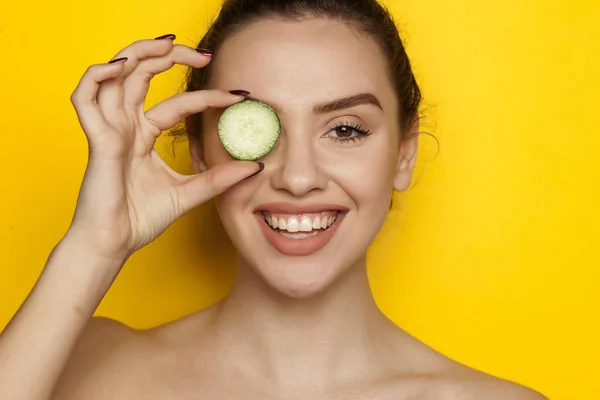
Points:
(303, 62)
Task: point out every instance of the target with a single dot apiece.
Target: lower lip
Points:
(298, 247)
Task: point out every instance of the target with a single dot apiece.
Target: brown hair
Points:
(366, 15)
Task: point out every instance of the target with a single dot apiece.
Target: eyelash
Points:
(362, 132)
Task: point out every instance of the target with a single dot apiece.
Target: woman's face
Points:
(338, 158)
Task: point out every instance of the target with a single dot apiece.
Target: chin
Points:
(300, 250)
(300, 277)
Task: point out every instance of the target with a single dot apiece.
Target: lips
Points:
(299, 230)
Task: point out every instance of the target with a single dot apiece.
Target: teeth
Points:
(324, 224)
(298, 235)
(317, 223)
(306, 224)
(294, 224)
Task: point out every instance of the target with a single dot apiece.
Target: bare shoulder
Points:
(474, 386)
(433, 375)
(486, 387)
(112, 360)
(460, 382)
(102, 359)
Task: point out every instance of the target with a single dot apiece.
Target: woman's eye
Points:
(344, 133)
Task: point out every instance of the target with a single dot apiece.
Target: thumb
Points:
(200, 188)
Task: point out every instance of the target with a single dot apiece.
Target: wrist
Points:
(75, 259)
(74, 278)
(94, 247)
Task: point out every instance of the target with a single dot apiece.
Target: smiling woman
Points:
(300, 321)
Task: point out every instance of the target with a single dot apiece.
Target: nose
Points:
(299, 171)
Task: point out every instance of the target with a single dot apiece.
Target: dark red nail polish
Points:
(261, 167)
(205, 52)
(169, 36)
(239, 92)
(118, 60)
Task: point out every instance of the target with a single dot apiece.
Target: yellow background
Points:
(491, 257)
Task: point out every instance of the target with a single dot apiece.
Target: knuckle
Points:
(153, 125)
(210, 181)
(91, 73)
(182, 50)
(181, 111)
(144, 46)
(77, 97)
(92, 69)
(152, 67)
(145, 75)
(74, 99)
(134, 46)
(140, 42)
(181, 47)
(216, 98)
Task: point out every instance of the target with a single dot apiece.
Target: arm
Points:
(37, 343)
(113, 217)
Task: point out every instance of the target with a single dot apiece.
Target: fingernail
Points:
(168, 36)
(118, 60)
(205, 52)
(261, 166)
(240, 93)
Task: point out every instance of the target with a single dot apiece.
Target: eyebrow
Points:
(347, 102)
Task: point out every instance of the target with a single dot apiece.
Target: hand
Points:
(129, 196)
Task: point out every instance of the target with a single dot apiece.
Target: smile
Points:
(307, 224)
(299, 231)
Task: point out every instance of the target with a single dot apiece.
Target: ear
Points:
(407, 157)
(197, 153)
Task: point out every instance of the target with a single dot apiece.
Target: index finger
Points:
(169, 112)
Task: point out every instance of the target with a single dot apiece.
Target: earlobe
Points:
(407, 158)
(197, 154)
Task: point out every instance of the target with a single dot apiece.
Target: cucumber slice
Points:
(249, 130)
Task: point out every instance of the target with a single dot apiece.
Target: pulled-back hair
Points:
(367, 16)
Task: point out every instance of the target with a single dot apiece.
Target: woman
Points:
(300, 322)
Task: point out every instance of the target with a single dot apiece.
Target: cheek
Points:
(231, 206)
(367, 175)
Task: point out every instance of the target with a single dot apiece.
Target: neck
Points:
(335, 336)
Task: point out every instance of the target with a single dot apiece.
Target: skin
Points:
(292, 327)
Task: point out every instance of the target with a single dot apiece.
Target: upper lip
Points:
(290, 208)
